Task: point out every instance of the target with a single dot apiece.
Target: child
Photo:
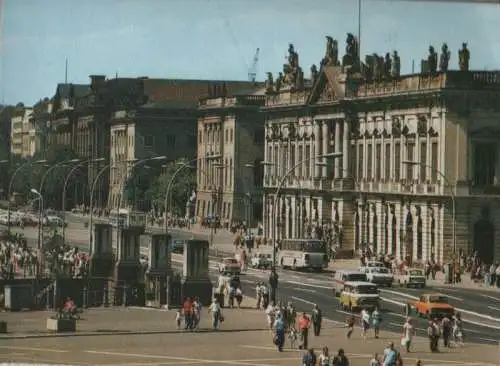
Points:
(350, 326)
(178, 319)
(375, 361)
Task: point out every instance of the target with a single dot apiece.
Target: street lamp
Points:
(11, 182)
(452, 195)
(40, 216)
(55, 166)
(182, 166)
(70, 174)
(280, 185)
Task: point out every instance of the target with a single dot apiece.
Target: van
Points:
(343, 276)
(359, 295)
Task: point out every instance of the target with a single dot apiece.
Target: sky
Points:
(216, 39)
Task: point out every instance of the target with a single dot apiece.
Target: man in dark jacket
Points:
(273, 285)
(317, 318)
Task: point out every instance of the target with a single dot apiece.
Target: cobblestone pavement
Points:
(242, 346)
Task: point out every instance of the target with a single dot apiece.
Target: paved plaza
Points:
(120, 336)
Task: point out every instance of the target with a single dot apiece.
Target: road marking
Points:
(468, 312)
(490, 297)
(308, 285)
(183, 360)
(303, 300)
(304, 290)
(34, 349)
(493, 308)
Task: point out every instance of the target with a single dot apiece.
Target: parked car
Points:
(380, 276)
(412, 277)
(229, 266)
(262, 260)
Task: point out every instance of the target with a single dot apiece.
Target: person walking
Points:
(408, 333)
(273, 284)
(317, 318)
(376, 320)
(279, 333)
(304, 324)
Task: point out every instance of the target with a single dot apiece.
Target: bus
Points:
(303, 254)
(124, 218)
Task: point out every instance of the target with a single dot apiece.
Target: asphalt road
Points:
(307, 289)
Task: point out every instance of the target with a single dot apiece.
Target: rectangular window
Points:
(307, 162)
(292, 159)
(410, 154)
(434, 162)
(397, 161)
(387, 162)
(369, 162)
(423, 161)
(360, 162)
(378, 162)
(300, 157)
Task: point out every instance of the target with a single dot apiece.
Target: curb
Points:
(120, 333)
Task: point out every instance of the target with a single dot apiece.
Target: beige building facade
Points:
(24, 135)
(230, 151)
(419, 174)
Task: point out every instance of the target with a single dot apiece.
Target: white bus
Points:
(303, 254)
(125, 218)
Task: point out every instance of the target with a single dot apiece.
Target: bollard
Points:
(105, 296)
(85, 297)
(124, 301)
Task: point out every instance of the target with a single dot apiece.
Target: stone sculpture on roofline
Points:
(463, 58)
(293, 76)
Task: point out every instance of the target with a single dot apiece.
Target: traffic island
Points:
(61, 325)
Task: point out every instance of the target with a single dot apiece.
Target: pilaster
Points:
(346, 158)
(337, 147)
(380, 227)
(317, 146)
(399, 228)
(324, 150)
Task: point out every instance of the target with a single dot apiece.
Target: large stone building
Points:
(158, 119)
(419, 171)
(230, 153)
(22, 132)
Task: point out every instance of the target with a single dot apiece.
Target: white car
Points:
(412, 277)
(229, 265)
(380, 276)
(262, 260)
(53, 221)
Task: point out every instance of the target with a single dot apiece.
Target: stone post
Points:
(101, 260)
(195, 277)
(128, 267)
(159, 270)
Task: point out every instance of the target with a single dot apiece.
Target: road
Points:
(307, 289)
(480, 308)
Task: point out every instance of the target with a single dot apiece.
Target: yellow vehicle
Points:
(359, 295)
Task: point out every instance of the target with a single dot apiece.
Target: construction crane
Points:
(252, 70)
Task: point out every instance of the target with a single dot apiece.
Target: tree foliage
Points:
(149, 186)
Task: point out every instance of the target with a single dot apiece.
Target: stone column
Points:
(389, 231)
(337, 148)
(324, 150)
(346, 158)
(415, 217)
(195, 280)
(101, 258)
(127, 268)
(380, 213)
(293, 214)
(288, 212)
(399, 226)
(317, 148)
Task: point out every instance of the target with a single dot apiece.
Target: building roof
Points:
(72, 90)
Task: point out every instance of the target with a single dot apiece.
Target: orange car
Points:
(434, 306)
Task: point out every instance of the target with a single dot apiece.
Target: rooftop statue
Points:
(444, 58)
(387, 66)
(269, 82)
(432, 60)
(463, 58)
(314, 74)
(332, 52)
(291, 70)
(396, 65)
(351, 57)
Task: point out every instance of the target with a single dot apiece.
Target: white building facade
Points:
(444, 203)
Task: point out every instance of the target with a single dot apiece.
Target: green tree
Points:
(137, 190)
(182, 186)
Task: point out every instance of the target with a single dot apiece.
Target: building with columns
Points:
(419, 174)
(230, 152)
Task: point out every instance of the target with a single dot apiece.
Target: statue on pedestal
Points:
(432, 60)
(279, 80)
(332, 53)
(351, 57)
(293, 75)
(444, 58)
(463, 58)
(314, 74)
(269, 82)
(387, 66)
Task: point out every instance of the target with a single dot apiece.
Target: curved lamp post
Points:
(66, 181)
(40, 217)
(91, 203)
(172, 179)
(11, 182)
(280, 186)
(452, 195)
(53, 167)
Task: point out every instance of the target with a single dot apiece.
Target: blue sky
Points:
(216, 39)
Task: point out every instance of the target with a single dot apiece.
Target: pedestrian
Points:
(365, 322)
(309, 358)
(279, 333)
(433, 334)
(324, 358)
(390, 355)
(376, 320)
(340, 359)
(188, 313)
(350, 321)
(216, 312)
(258, 293)
(317, 318)
(178, 319)
(304, 324)
(273, 284)
(446, 327)
(375, 361)
(271, 315)
(408, 333)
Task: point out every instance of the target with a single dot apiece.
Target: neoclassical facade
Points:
(419, 168)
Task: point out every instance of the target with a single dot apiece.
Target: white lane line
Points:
(181, 360)
(491, 297)
(468, 312)
(303, 300)
(309, 285)
(493, 308)
(305, 290)
(34, 349)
